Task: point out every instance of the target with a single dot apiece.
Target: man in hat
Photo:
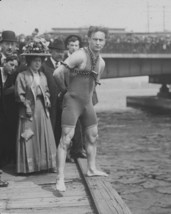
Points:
(56, 48)
(84, 68)
(8, 113)
(8, 44)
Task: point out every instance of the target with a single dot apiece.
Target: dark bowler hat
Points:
(8, 36)
(72, 36)
(57, 44)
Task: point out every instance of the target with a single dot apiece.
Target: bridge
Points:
(156, 66)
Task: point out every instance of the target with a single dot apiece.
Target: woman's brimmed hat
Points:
(36, 48)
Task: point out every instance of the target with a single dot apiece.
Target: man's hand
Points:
(61, 95)
(28, 112)
(28, 109)
(47, 102)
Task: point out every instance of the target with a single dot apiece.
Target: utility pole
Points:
(148, 18)
(164, 19)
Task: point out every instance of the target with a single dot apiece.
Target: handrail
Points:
(136, 55)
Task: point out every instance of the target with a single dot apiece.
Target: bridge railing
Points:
(129, 65)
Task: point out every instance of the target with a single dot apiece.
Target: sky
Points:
(23, 16)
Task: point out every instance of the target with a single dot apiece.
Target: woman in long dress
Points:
(36, 148)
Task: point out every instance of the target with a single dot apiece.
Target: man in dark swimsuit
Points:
(76, 148)
(84, 67)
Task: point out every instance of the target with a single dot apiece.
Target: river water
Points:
(134, 147)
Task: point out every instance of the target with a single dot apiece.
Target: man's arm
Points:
(101, 69)
(59, 76)
(63, 70)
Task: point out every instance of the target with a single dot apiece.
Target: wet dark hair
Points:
(73, 39)
(29, 59)
(11, 58)
(94, 29)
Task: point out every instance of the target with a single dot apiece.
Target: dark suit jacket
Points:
(66, 55)
(8, 119)
(55, 110)
(7, 98)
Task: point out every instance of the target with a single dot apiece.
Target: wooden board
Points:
(37, 194)
(61, 210)
(105, 198)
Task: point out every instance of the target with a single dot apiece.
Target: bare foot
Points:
(60, 185)
(91, 173)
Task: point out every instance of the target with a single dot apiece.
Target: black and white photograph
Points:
(85, 107)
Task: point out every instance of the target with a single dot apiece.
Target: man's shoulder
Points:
(66, 55)
(48, 63)
(80, 53)
(76, 58)
(24, 73)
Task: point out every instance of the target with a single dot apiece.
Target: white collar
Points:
(3, 75)
(2, 58)
(53, 62)
(69, 54)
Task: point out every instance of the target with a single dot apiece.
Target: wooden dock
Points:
(154, 103)
(36, 194)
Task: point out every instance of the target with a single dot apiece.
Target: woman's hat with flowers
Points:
(37, 47)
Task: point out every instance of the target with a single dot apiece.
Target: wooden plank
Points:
(2, 205)
(74, 188)
(106, 199)
(45, 202)
(71, 173)
(37, 194)
(59, 210)
(151, 102)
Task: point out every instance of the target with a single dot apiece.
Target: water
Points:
(134, 147)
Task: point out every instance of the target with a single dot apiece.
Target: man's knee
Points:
(91, 135)
(64, 143)
(67, 135)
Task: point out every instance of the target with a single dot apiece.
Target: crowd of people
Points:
(47, 94)
(136, 43)
(115, 43)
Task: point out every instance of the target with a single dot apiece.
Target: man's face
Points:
(8, 48)
(10, 66)
(97, 41)
(73, 46)
(57, 55)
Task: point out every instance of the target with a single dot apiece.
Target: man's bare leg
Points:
(67, 135)
(91, 135)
